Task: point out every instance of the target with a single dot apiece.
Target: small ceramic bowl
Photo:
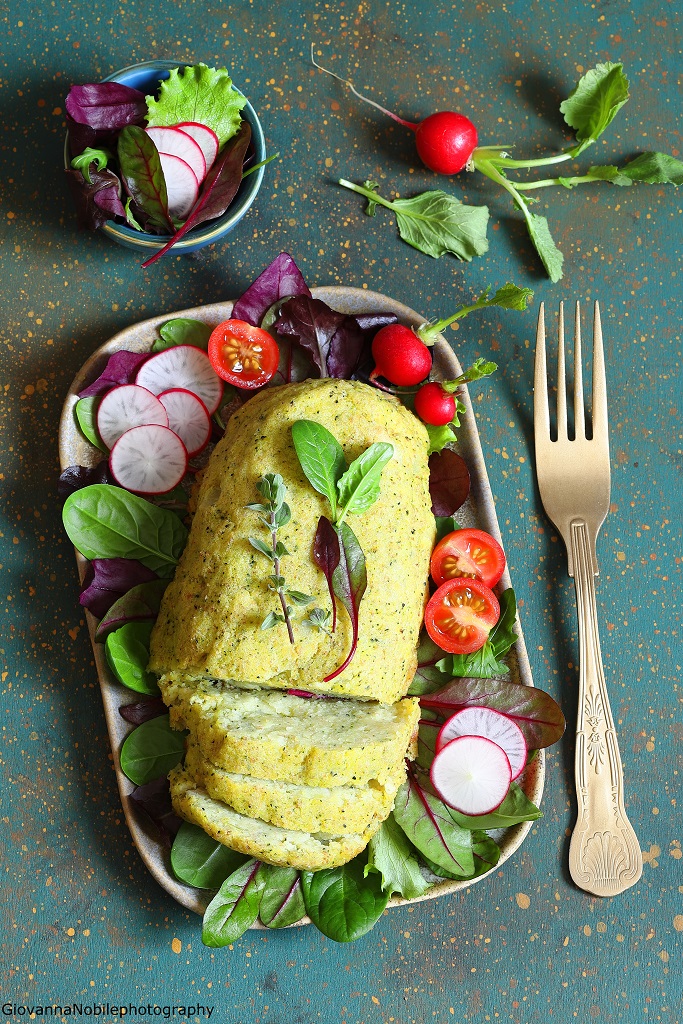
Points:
(146, 78)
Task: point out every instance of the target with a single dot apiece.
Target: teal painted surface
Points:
(81, 919)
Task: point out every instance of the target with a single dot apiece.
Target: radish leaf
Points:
(282, 902)
(341, 902)
(595, 100)
(654, 168)
(235, 906)
(551, 257)
(201, 861)
(143, 177)
(198, 93)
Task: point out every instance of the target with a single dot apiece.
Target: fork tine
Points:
(599, 400)
(579, 413)
(541, 412)
(561, 386)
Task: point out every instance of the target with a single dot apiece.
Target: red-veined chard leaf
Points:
(143, 175)
(349, 581)
(449, 482)
(281, 279)
(515, 808)
(326, 555)
(137, 604)
(429, 826)
(108, 579)
(282, 902)
(121, 368)
(427, 734)
(218, 190)
(235, 906)
(485, 852)
(341, 902)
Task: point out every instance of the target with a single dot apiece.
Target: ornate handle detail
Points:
(604, 855)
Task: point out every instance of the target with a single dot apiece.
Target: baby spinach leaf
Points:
(183, 331)
(200, 861)
(198, 93)
(321, 457)
(391, 855)
(85, 411)
(142, 173)
(127, 654)
(516, 807)
(551, 257)
(428, 824)
(654, 168)
(282, 902)
(151, 750)
(486, 662)
(485, 852)
(103, 521)
(235, 906)
(595, 100)
(140, 602)
(349, 581)
(359, 486)
(108, 579)
(342, 902)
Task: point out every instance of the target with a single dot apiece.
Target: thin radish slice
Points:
(148, 460)
(188, 417)
(493, 725)
(204, 136)
(181, 185)
(177, 142)
(182, 366)
(126, 406)
(471, 774)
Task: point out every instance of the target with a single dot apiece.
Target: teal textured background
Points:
(81, 918)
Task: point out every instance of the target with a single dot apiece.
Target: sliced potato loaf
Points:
(268, 734)
(341, 810)
(285, 847)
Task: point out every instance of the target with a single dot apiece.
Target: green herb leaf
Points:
(85, 411)
(198, 93)
(430, 828)
(103, 521)
(321, 458)
(391, 855)
(261, 546)
(655, 168)
(127, 654)
(140, 602)
(143, 176)
(341, 902)
(297, 598)
(359, 486)
(509, 296)
(272, 619)
(199, 860)
(183, 331)
(82, 162)
(235, 906)
(282, 902)
(551, 257)
(595, 100)
(319, 619)
(151, 750)
(516, 807)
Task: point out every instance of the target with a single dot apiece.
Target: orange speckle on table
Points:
(71, 931)
(10, 215)
(73, 633)
(176, 945)
(587, 930)
(523, 901)
(375, 1000)
(41, 103)
(57, 111)
(678, 922)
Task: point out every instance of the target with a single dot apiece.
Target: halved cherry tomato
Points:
(468, 553)
(461, 614)
(242, 354)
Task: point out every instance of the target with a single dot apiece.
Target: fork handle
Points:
(604, 855)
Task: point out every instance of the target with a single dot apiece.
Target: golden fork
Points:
(574, 481)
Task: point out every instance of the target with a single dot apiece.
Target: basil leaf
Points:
(341, 902)
(485, 852)
(85, 411)
(199, 860)
(428, 824)
(654, 168)
(103, 521)
(183, 331)
(142, 173)
(595, 100)
(391, 855)
(282, 902)
(127, 654)
(140, 602)
(515, 807)
(551, 257)
(359, 486)
(235, 906)
(151, 750)
(349, 582)
(321, 457)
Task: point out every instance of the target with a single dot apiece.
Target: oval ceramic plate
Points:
(477, 511)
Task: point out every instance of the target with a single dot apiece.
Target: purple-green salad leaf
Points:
(429, 826)
(107, 106)
(106, 580)
(326, 555)
(449, 482)
(139, 603)
(143, 176)
(281, 279)
(349, 582)
(96, 201)
(143, 710)
(121, 368)
(334, 341)
(154, 799)
(73, 478)
(235, 906)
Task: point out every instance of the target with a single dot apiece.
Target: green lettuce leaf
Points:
(198, 93)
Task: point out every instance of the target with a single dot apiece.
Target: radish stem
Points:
(394, 117)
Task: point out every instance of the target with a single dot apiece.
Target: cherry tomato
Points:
(468, 553)
(460, 615)
(434, 405)
(242, 354)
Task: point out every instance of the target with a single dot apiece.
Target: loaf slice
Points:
(341, 810)
(268, 734)
(283, 847)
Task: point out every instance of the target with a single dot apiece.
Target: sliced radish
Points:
(204, 136)
(471, 774)
(480, 721)
(148, 460)
(181, 185)
(182, 366)
(178, 142)
(188, 417)
(126, 406)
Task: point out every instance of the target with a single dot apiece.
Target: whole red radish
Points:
(400, 357)
(434, 405)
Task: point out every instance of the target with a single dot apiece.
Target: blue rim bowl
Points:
(146, 78)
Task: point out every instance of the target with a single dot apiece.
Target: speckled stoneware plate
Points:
(477, 511)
